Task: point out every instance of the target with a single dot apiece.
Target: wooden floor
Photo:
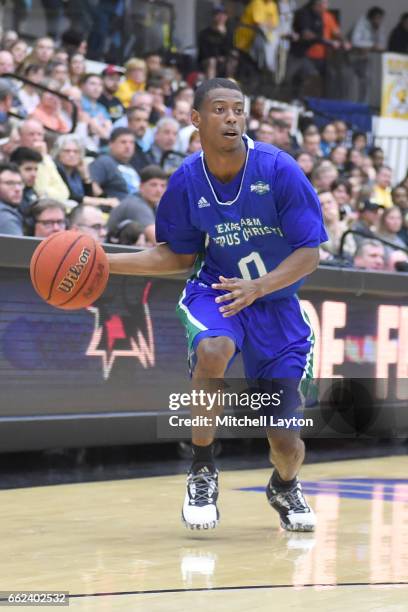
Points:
(121, 545)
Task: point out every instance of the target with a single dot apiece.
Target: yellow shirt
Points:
(383, 196)
(257, 13)
(126, 90)
(49, 183)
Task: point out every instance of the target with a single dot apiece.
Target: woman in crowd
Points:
(389, 227)
(77, 68)
(69, 158)
(135, 80)
(28, 94)
(342, 191)
(19, 51)
(305, 161)
(338, 155)
(48, 111)
(328, 139)
(334, 226)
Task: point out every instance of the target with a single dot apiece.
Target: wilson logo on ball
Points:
(74, 273)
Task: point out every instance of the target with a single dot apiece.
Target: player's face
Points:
(221, 120)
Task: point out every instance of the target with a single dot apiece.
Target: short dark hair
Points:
(154, 81)
(32, 68)
(218, 83)
(152, 172)
(9, 167)
(358, 135)
(89, 75)
(118, 132)
(342, 182)
(375, 11)
(280, 124)
(38, 207)
(24, 154)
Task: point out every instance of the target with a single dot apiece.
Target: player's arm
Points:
(157, 260)
(297, 265)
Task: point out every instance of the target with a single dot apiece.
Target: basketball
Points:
(69, 270)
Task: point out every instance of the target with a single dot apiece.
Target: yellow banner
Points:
(394, 99)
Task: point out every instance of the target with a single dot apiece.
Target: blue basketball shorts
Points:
(274, 336)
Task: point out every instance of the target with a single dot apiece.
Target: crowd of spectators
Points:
(105, 172)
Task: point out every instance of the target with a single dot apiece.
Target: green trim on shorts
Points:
(192, 326)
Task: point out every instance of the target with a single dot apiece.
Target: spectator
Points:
(323, 175)
(19, 51)
(367, 167)
(89, 220)
(154, 62)
(306, 72)
(382, 187)
(399, 197)
(142, 208)
(113, 173)
(48, 111)
(159, 110)
(378, 157)
(328, 139)
(398, 40)
(397, 261)
(359, 142)
(138, 124)
(73, 168)
(311, 144)
(342, 191)
(262, 15)
(110, 79)
(48, 217)
(214, 45)
(96, 115)
(182, 113)
(165, 139)
(129, 233)
(42, 53)
(11, 193)
(305, 161)
(58, 72)
(370, 255)
(368, 218)
(194, 144)
(77, 68)
(338, 156)
(341, 132)
(61, 55)
(27, 160)
(135, 80)
(6, 102)
(281, 134)
(389, 227)
(265, 132)
(334, 226)
(48, 182)
(368, 35)
(28, 94)
(6, 63)
(8, 38)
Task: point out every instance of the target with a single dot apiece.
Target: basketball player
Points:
(253, 215)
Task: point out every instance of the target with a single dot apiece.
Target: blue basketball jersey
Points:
(245, 228)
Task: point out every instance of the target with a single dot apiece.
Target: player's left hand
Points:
(240, 293)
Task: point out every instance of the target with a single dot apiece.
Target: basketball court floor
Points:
(120, 545)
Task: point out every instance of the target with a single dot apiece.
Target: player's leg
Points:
(284, 358)
(213, 342)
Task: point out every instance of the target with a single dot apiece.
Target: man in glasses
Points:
(89, 220)
(11, 194)
(49, 217)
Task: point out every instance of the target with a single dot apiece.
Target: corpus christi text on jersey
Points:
(234, 421)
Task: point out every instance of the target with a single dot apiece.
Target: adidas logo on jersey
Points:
(202, 203)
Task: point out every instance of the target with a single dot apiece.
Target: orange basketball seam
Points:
(36, 255)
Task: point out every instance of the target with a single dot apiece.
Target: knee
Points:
(286, 447)
(213, 356)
